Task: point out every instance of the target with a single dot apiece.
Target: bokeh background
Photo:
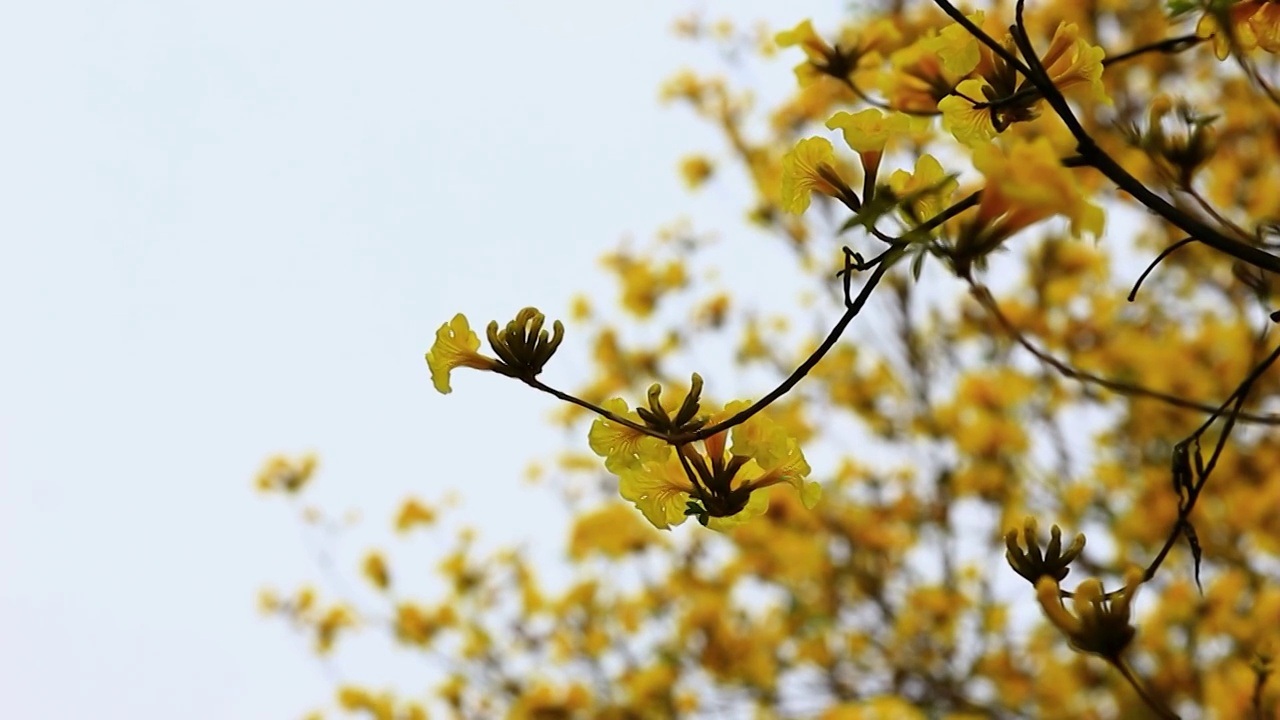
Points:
(230, 230)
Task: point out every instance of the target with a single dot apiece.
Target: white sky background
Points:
(231, 229)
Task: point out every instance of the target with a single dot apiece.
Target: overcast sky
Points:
(231, 229)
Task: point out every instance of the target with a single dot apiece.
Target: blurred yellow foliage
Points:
(990, 360)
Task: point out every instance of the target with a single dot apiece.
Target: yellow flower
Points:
(660, 490)
(1028, 184)
(808, 167)
(1251, 24)
(336, 618)
(1070, 60)
(695, 169)
(455, 346)
(777, 455)
(375, 569)
(930, 186)
(868, 131)
(858, 49)
(958, 51)
(623, 447)
(969, 124)
(758, 438)
(380, 706)
(727, 480)
(412, 513)
(282, 473)
(804, 36)
(416, 625)
(918, 80)
(268, 601)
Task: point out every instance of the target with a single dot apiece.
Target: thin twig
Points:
(1236, 402)
(1163, 254)
(1142, 691)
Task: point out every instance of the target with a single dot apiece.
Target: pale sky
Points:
(231, 229)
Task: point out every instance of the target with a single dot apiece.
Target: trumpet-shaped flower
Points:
(623, 447)
(660, 490)
(957, 49)
(803, 36)
(455, 346)
(868, 131)
(918, 80)
(927, 191)
(968, 123)
(808, 167)
(1028, 184)
(1070, 60)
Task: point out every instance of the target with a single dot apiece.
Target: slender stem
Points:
(796, 376)
(1163, 254)
(573, 400)
(1236, 401)
(803, 369)
(1168, 46)
(1157, 706)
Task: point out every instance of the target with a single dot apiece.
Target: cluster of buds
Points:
(1033, 563)
(524, 346)
(1101, 623)
(685, 420)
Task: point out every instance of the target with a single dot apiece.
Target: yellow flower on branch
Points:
(660, 490)
(1070, 60)
(810, 167)
(996, 96)
(918, 79)
(623, 447)
(857, 49)
(696, 169)
(804, 37)
(719, 485)
(287, 474)
(867, 132)
(455, 346)
(962, 116)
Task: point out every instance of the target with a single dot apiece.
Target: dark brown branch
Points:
(1107, 165)
(988, 302)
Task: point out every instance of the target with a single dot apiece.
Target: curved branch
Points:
(989, 303)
